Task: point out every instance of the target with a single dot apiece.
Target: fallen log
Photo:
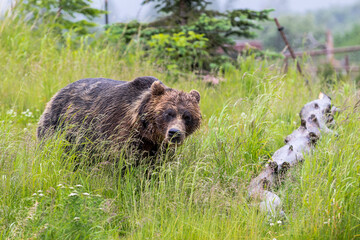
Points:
(316, 118)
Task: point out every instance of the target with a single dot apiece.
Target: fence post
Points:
(281, 30)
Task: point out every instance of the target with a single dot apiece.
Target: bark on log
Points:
(316, 117)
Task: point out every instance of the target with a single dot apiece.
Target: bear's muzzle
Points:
(175, 135)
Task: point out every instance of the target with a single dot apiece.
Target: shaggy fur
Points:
(143, 110)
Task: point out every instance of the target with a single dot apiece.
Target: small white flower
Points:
(76, 218)
(39, 191)
(34, 194)
(294, 122)
(279, 222)
(97, 195)
(60, 185)
(86, 194)
(71, 188)
(27, 113)
(11, 112)
(78, 185)
(325, 222)
(41, 195)
(73, 194)
(25, 129)
(271, 224)
(282, 122)
(243, 115)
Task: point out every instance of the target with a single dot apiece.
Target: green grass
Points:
(201, 193)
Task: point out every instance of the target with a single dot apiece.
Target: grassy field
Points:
(202, 193)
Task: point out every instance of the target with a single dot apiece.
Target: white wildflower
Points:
(78, 185)
(11, 112)
(60, 185)
(279, 222)
(271, 224)
(86, 194)
(34, 194)
(41, 195)
(71, 188)
(27, 113)
(73, 194)
(76, 218)
(39, 191)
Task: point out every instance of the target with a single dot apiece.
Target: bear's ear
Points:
(195, 94)
(157, 88)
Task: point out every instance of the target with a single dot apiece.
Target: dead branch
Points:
(316, 117)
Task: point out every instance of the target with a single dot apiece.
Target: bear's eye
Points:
(169, 114)
(187, 117)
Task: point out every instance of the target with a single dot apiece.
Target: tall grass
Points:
(201, 193)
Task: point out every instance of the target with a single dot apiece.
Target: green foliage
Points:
(328, 75)
(349, 38)
(60, 13)
(181, 11)
(188, 17)
(213, 29)
(298, 27)
(83, 214)
(202, 192)
(179, 50)
(133, 30)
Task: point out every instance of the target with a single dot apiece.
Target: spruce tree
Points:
(63, 12)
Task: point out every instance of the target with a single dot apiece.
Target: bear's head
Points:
(171, 115)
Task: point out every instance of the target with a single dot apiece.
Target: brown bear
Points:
(143, 112)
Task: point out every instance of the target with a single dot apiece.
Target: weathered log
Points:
(316, 117)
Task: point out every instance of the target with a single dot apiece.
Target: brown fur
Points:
(143, 110)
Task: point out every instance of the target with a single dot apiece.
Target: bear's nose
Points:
(174, 134)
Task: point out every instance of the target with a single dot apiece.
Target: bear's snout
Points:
(175, 135)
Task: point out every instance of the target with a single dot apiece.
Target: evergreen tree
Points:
(219, 28)
(62, 13)
(191, 33)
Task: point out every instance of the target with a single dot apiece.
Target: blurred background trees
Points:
(62, 13)
(190, 35)
(201, 35)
